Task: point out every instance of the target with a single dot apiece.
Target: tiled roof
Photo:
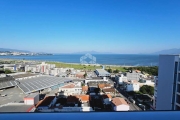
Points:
(46, 101)
(84, 88)
(109, 90)
(69, 86)
(119, 101)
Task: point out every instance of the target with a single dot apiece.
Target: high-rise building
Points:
(168, 84)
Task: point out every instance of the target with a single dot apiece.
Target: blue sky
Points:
(66, 26)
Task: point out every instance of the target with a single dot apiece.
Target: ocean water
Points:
(108, 59)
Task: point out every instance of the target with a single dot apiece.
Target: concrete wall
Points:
(121, 108)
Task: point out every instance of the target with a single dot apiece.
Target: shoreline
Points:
(106, 65)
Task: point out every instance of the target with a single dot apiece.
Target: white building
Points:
(120, 78)
(168, 85)
(31, 99)
(132, 86)
(133, 76)
(119, 104)
(71, 89)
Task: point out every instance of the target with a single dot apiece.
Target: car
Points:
(3, 95)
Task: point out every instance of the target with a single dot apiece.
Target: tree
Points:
(145, 89)
(109, 70)
(85, 75)
(7, 71)
(116, 71)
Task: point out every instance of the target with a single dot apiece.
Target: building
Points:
(76, 103)
(102, 73)
(120, 78)
(104, 86)
(31, 99)
(84, 89)
(109, 91)
(133, 76)
(131, 86)
(70, 89)
(119, 104)
(168, 84)
(96, 79)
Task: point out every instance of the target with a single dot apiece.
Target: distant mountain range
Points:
(92, 52)
(13, 50)
(168, 51)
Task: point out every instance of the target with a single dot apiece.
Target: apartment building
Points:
(168, 84)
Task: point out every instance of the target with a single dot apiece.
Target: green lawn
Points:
(79, 66)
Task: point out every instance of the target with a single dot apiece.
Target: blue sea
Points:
(107, 59)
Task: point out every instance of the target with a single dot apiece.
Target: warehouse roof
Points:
(24, 75)
(102, 71)
(38, 83)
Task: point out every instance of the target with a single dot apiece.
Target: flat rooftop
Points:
(23, 75)
(15, 108)
(102, 71)
(6, 82)
(38, 83)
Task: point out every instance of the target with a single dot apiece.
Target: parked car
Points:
(3, 95)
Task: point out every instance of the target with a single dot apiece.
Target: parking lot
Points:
(13, 95)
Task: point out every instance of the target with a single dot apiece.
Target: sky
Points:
(68, 26)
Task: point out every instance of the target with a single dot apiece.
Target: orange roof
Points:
(84, 88)
(107, 96)
(103, 85)
(69, 86)
(46, 101)
(119, 101)
(83, 97)
(109, 90)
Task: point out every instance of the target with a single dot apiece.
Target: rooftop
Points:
(15, 108)
(84, 88)
(102, 71)
(119, 101)
(109, 90)
(46, 101)
(24, 75)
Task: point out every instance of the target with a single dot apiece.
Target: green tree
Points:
(116, 71)
(145, 89)
(7, 71)
(85, 75)
(110, 70)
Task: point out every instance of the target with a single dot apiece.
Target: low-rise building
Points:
(133, 76)
(102, 73)
(70, 89)
(109, 91)
(131, 86)
(119, 104)
(120, 78)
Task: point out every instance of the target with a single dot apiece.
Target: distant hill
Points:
(168, 51)
(91, 52)
(14, 50)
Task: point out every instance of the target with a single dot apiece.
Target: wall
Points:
(121, 108)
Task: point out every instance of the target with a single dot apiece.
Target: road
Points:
(133, 107)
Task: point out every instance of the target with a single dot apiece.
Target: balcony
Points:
(148, 115)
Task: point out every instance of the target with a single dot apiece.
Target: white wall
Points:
(132, 87)
(121, 108)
